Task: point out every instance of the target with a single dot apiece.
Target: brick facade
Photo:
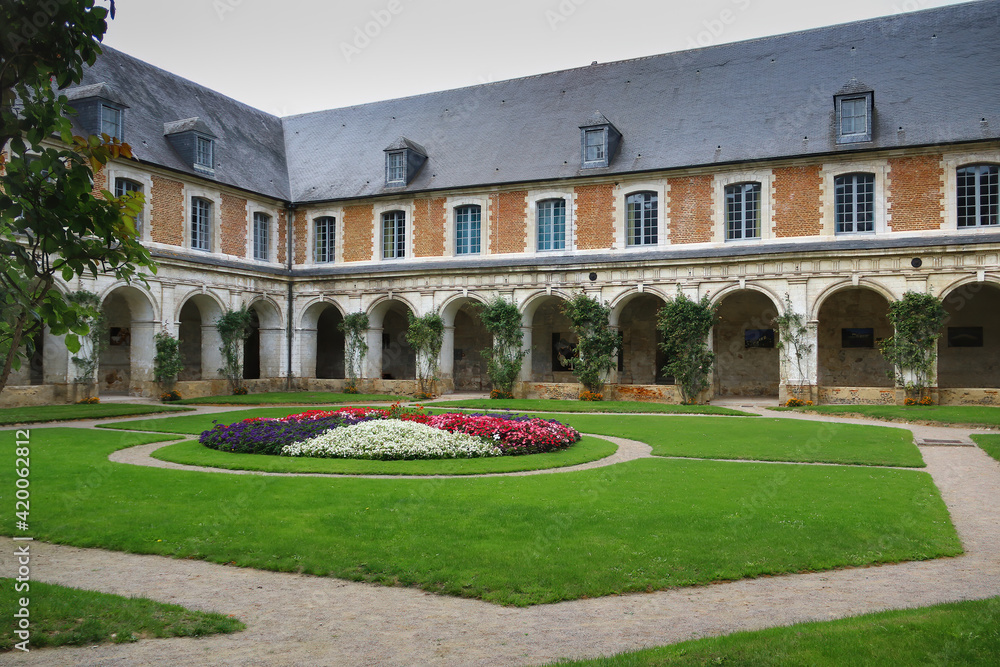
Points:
(797, 201)
(915, 201)
(690, 209)
(300, 235)
(167, 206)
(357, 233)
(428, 227)
(508, 211)
(234, 225)
(595, 216)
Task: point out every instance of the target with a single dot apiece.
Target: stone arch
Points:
(618, 303)
(390, 356)
(126, 363)
(550, 337)
(744, 338)
(847, 284)
(199, 339)
(321, 343)
(851, 322)
(640, 360)
(776, 301)
(531, 302)
(969, 347)
(465, 338)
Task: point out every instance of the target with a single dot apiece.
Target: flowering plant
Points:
(391, 439)
(499, 393)
(172, 395)
(591, 396)
(89, 401)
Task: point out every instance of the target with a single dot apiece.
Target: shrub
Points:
(794, 403)
(240, 391)
(500, 394)
(926, 400)
(909, 401)
(591, 396)
(351, 389)
(88, 401)
(172, 395)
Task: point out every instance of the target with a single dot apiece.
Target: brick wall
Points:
(797, 201)
(358, 233)
(167, 204)
(100, 182)
(428, 227)
(509, 214)
(690, 209)
(300, 235)
(595, 216)
(234, 225)
(282, 241)
(915, 192)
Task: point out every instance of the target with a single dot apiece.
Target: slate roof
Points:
(935, 76)
(249, 144)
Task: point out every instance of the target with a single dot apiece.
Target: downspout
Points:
(289, 217)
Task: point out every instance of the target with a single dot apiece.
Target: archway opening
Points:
(745, 342)
(852, 323)
(399, 360)
(471, 338)
(969, 347)
(329, 344)
(189, 337)
(552, 343)
(251, 348)
(115, 371)
(641, 360)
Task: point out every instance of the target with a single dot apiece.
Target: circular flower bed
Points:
(396, 433)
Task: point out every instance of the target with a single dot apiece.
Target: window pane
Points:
(124, 186)
(467, 230)
(642, 219)
(855, 203)
(203, 155)
(111, 121)
(743, 211)
(261, 224)
(201, 211)
(978, 197)
(397, 170)
(393, 235)
(594, 145)
(854, 116)
(324, 239)
(551, 224)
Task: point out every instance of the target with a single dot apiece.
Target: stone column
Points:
(447, 365)
(306, 341)
(211, 355)
(372, 367)
(272, 351)
(526, 362)
(143, 351)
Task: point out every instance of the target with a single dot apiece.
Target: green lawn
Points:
(62, 616)
(990, 443)
(50, 413)
(980, 415)
(192, 453)
(642, 525)
(294, 398)
(195, 424)
(760, 438)
(960, 633)
(555, 405)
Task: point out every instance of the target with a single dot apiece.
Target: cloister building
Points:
(827, 172)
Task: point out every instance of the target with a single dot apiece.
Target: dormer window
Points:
(403, 160)
(599, 141)
(395, 168)
(854, 117)
(111, 121)
(204, 152)
(194, 143)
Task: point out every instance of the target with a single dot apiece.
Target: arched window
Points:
(854, 196)
(393, 235)
(324, 239)
(551, 224)
(642, 219)
(743, 211)
(977, 195)
(468, 229)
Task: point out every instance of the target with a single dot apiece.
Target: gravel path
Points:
(303, 620)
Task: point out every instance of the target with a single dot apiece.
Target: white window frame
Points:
(950, 163)
(535, 197)
(331, 248)
(116, 171)
(391, 169)
(866, 99)
(622, 192)
(478, 236)
(979, 216)
(198, 139)
(854, 203)
(272, 231)
(215, 220)
(338, 216)
(828, 195)
(721, 181)
(268, 224)
(119, 132)
(451, 204)
(602, 159)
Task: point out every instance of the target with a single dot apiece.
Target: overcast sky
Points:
(296, 56)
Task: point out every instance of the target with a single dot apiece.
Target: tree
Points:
(354, 327)
(426, 335)
(52, 223)
(503, 362)
(234, 329)
(684, 326)
(917, 320)
(598, 344)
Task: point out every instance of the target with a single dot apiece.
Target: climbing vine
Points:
(503, 361)
(234, 329)
(793, 341)
(167, 363)
(426, 335)
(354, 327)
(917, 320)
(684, 326)
(598, 343)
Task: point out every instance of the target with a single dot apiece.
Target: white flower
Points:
(391, 439)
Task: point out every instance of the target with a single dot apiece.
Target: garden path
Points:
(303, 620)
